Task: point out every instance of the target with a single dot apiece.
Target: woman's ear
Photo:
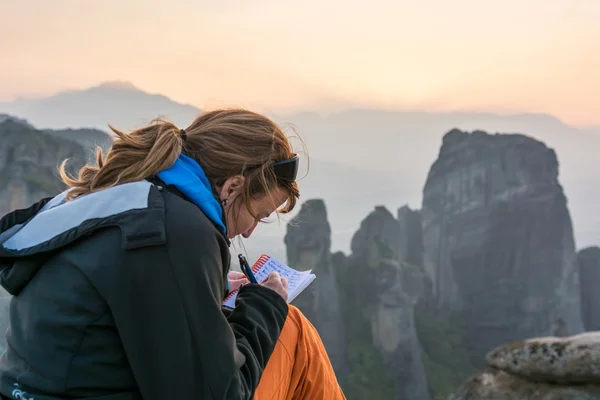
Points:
(232, 187)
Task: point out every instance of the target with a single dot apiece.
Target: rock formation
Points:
(308, 242)
(589, 275)
(500, 385)
(411, 238)
(571, 360)
(363, 302)
(385, 289)
(28, 164)
(498, 240)
(545, 368)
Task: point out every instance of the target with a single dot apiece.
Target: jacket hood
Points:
(29, 236)
(188, 177)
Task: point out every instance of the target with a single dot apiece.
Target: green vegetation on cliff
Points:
(448, 359)
(367, 376)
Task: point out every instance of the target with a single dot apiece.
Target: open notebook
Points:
(297, 280)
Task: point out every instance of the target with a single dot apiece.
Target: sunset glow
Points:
(510, 56)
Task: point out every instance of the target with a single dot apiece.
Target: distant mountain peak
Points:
(117, 84)
(115, 102)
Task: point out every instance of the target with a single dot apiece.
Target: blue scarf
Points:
(189, 178)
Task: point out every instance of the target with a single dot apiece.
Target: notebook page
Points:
(297, 280)
(305, 282)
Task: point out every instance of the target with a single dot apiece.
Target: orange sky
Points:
(509, 56)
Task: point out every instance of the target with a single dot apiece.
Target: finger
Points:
(284, 283)
(235, 275)
(273, 276)
(238, 280)
(237, 283)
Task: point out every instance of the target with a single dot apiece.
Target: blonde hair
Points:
(223, 142)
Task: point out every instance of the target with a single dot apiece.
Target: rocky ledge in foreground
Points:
(548, 368)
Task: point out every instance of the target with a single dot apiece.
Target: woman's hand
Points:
(236, 280)
(275, 282)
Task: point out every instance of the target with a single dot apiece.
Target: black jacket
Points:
(117, 295)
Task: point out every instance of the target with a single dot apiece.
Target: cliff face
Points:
(497, 238)
(384, 289)
(588, 260)
(411, 237)
(28, 164)
(363, 304)
(308, 243)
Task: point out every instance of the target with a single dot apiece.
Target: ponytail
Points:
(133, 157)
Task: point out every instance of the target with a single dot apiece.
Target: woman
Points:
(118, 282)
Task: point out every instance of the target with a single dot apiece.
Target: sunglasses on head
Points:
(287, 170)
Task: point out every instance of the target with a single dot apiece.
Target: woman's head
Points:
(235, 148)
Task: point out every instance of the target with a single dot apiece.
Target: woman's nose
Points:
(249, 231)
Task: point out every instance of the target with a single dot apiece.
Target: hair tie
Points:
(183, 135)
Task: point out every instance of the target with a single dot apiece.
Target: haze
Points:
(535, 56)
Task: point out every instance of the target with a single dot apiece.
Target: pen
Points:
(246, 268)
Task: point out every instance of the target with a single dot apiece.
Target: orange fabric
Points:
(299, 367)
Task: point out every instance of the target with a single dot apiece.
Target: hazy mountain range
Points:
(359, 158)
(116, 103)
